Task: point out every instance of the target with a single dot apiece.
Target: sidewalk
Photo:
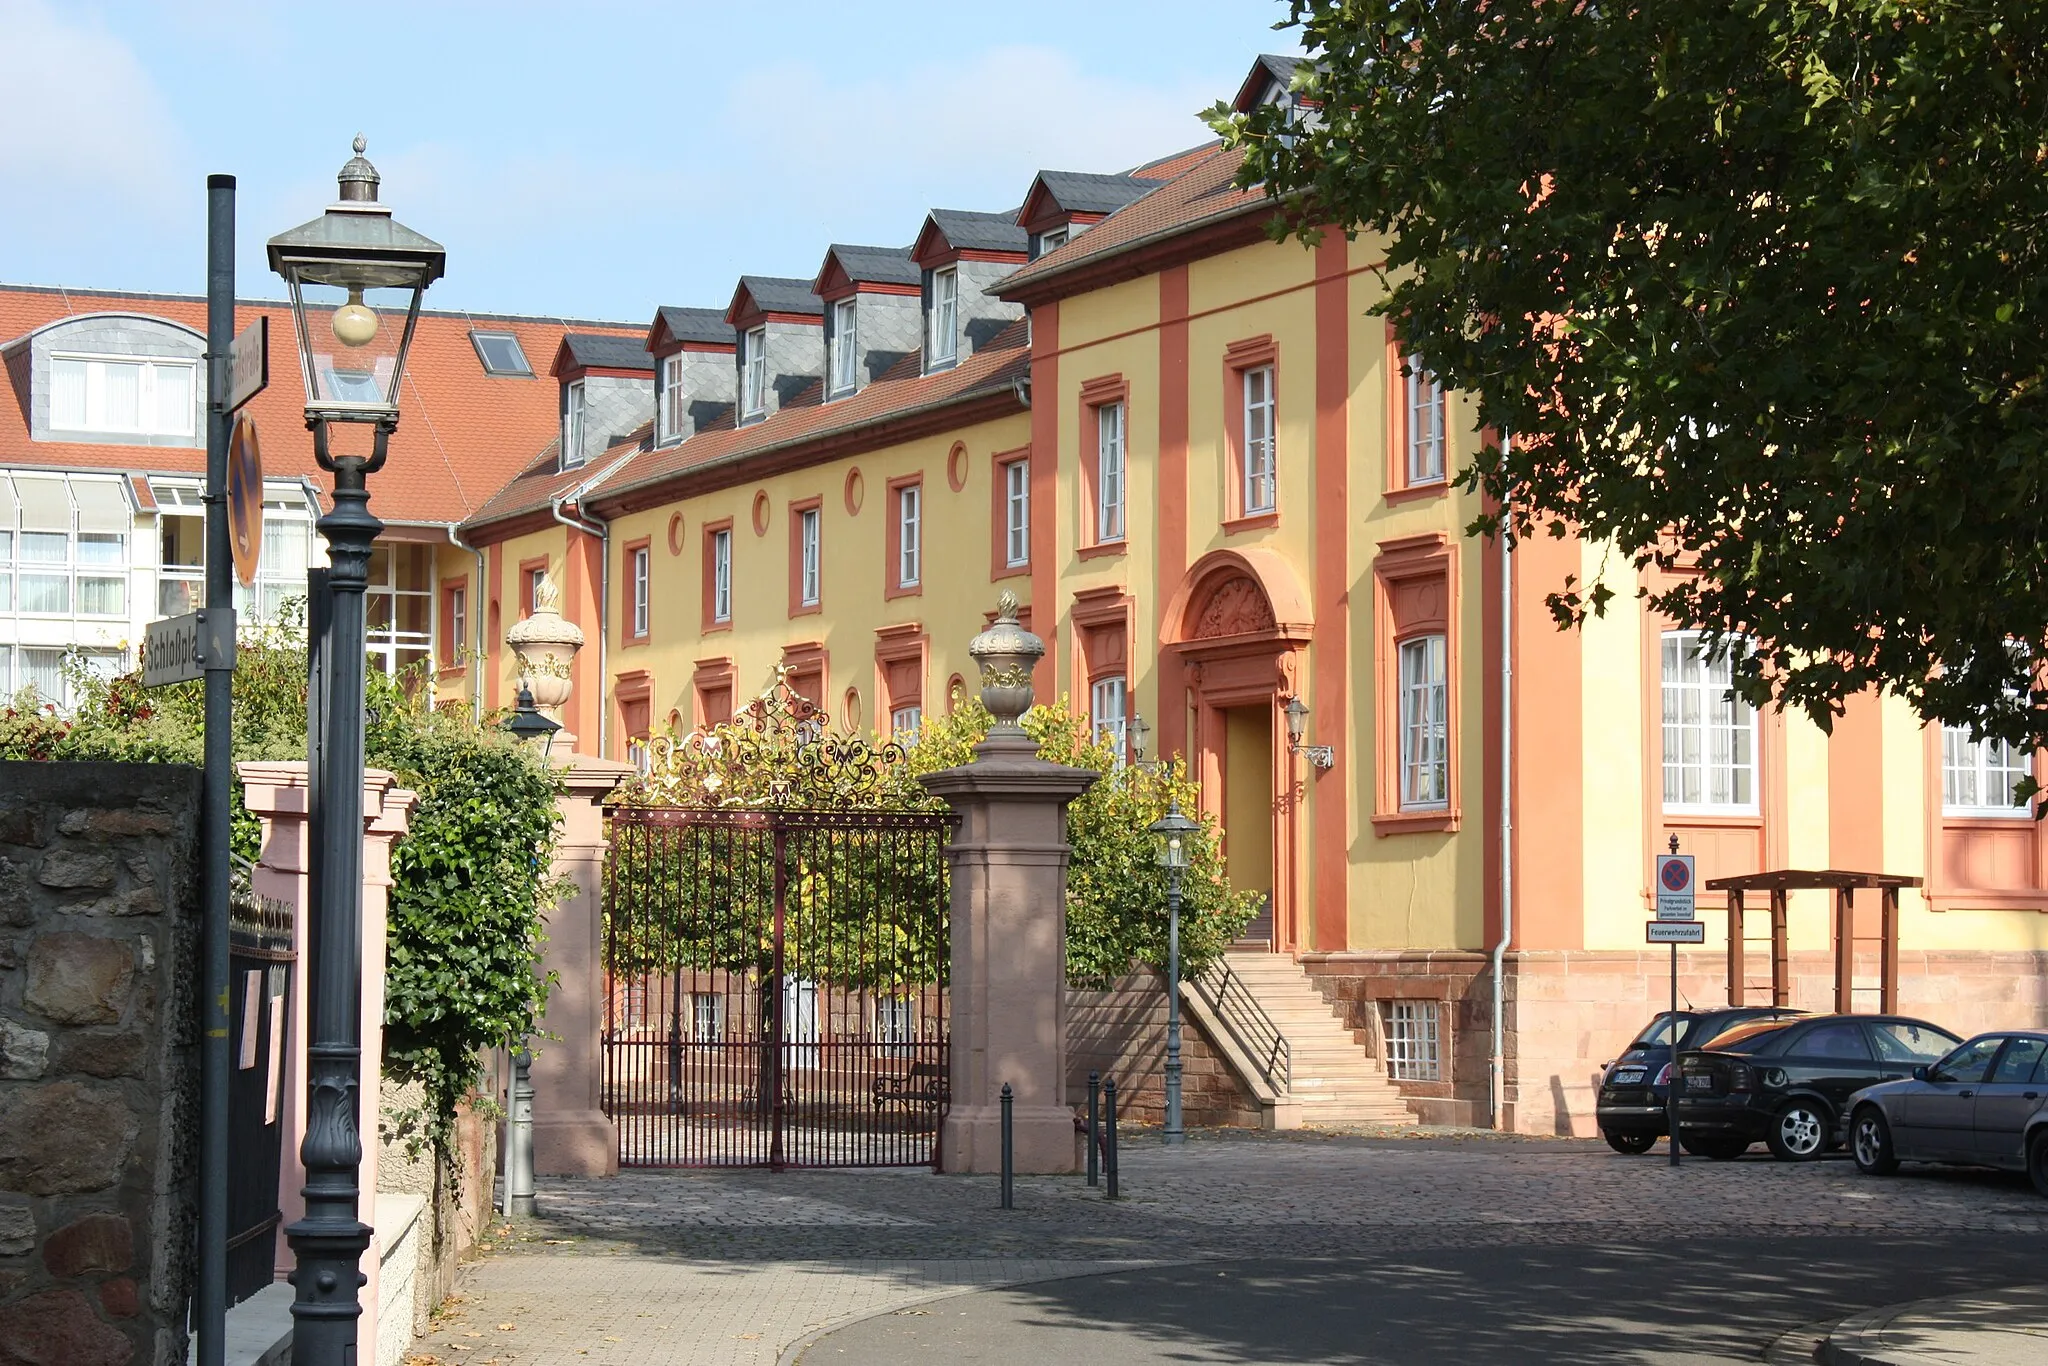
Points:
(2002, 1328)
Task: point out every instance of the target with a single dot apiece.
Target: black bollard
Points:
(1094, 1121)
(1009, 1201)
(1109, 1135)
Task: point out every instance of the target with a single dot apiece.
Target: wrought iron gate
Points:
(775, 953)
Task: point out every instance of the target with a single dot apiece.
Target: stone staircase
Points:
(1335, 1079)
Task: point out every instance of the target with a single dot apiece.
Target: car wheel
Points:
(2037, 1160)
(1625, 1141)
(1870, 1138)
(1720, 1147)
(1800, 1132)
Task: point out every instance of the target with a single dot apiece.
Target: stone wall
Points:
(1120, 1031)
(456, 1203)
(1571, 1012)
(1359, 984)
(99, 956)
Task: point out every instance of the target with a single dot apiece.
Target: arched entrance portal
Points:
(1237, 637)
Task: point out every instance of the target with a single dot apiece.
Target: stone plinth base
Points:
(575, 1144)
(1041, 1136)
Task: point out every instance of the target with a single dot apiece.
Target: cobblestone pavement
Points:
(737, 1266)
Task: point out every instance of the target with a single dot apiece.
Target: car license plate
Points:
(1698, 1082)
(1628, 1076)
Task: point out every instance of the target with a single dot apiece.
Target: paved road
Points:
(740, 1267)
(1688, 1302)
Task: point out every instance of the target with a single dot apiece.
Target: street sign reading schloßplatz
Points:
(179, 649)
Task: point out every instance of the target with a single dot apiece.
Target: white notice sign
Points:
(1676, 931)
(1674, 887)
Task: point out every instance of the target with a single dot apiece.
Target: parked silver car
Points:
(1985, 1105)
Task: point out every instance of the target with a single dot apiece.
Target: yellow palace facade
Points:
(1198, 460)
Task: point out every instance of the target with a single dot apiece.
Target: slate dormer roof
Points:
(773, 294)
(852, 265)
(593, 351)
(1268, 71)
(1065, 196)
(683, 326)
(966, 230)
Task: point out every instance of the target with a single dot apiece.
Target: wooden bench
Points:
(925, 1083)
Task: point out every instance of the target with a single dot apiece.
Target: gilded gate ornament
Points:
(779, 751)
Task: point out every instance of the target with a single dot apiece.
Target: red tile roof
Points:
(461, 434)
(1203, 195)
(890, 409)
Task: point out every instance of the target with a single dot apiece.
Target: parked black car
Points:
(1985, 1104)
(1788, 1082)
(1634, 1087)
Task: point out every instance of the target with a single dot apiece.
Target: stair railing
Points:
(1248, 1023)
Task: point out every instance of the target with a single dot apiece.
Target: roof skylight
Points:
(500, 353)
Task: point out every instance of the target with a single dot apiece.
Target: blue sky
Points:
(582, 159)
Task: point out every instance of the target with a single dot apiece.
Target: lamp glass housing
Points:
(1172, 832)
(354, 324)
(1297, 720)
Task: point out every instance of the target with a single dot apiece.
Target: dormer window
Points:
(671, 398)
(122, 397)
(572, 425)
(845, 346)
(754, 386)
(942, 345)
(1053, 240)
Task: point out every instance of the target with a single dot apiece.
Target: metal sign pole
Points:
(1671, 1086)
(210, 1314)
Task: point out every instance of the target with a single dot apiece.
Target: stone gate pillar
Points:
(1009, 959)
(571, 1134)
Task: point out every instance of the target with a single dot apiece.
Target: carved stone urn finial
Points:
(1006, 653)
(546, 647)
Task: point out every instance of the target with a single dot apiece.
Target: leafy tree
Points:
(1759, 288)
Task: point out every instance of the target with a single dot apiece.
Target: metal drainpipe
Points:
(603, 532)
(1496, 1066)
(476, 682)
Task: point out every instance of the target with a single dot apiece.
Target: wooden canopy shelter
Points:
(1783, 881)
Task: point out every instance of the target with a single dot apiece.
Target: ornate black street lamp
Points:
(528, 722)
(353, 273)
(1173, 831)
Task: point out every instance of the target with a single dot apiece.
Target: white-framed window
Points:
(809, 523)
(672, 398)
(280, 568)
(1413, 1031)
(1109, 472)
(845, 346)
(534, 579)
(944, 342)
(1978, 776)
(754, 379)
(572, 426)
(1053, 240)
(895, 1022)
(910, 534)
(458, 625)
(904, 722)
(1425, 425)
(1425, 724)
(501, 354)
(1260, 471)
(642, 561)
(721, 575)
(1710, 735)
(123, 396)
(1017, 513)
(399, 603)
(707, 1016)
(64, 545)
(52, 670)
(1108, 710)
